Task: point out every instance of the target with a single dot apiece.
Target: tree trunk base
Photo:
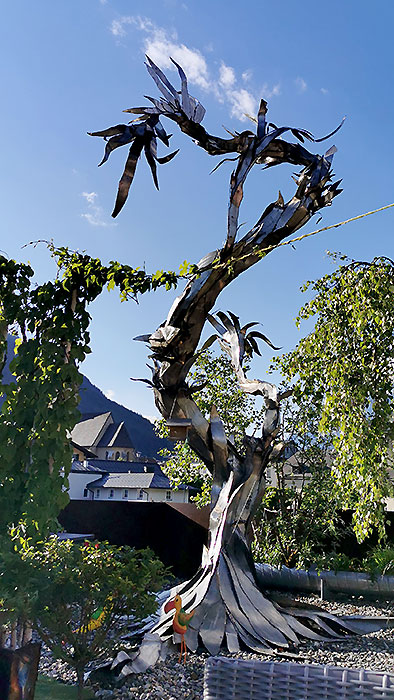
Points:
(232, 613)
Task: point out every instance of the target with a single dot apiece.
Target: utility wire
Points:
(326, 228)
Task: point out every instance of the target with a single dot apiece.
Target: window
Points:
(97, 493)
(117, 455)
(168, 495)
(111, 493)
(126, 493)
(85, 493)
(141, 493)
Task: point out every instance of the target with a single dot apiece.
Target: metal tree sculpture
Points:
(229, 605)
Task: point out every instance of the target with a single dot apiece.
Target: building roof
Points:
(87, 431)
(85, 467)
(84, 450)
(115, 466)
(131, 481)
(116, 435)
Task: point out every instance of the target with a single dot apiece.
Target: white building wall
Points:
(142, 495)
(77, 483)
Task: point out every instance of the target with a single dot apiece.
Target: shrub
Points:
(80, 596)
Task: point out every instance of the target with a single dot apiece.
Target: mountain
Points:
(93, 400)
(140, 429)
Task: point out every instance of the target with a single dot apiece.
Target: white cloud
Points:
(161, 44)
(94, 215)
(117, 25)
(300, 84)
(90, 196)
(324, 91)
(274, 92)
(242, 102)
(110, 394)
(226, 75)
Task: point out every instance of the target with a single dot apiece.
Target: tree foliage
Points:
(62, 587)
(344, 367)
(215, 379)
(299, 516)
(40, 407)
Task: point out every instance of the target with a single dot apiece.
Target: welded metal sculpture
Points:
(230, 608)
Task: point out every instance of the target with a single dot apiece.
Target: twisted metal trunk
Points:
(229, 606)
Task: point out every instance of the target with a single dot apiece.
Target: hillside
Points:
(94, 401)
(140, 429)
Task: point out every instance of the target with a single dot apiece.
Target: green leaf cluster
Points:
(345, 368)
(299, 517)
(218, 384)
(60, 587)
(51, 324)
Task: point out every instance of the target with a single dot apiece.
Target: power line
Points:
(326, 228)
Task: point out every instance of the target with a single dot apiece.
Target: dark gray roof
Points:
(84, 467)
(109, 465)
(88, 430)
(116, 435)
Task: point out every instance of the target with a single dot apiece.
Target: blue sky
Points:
(72, 67)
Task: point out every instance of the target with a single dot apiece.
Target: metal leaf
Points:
(142, 338)
(217, 326)
(145, 381)
(185, 92)
(226, 321)
(158, 75)
(166, 159)
(140, 110)
(199, 113)
(128, 175)
(261, 124)
(150, 154)
(257, 334)
(224, 160)
(248, 325)
(111, 131)
(208, 343)
(158, 103)
(235, 320)
(161, 133)
(331, 133)
(116, 142)
(253, 344)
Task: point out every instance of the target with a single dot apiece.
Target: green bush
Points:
(65, 588)
(293, 526)
(379, 560)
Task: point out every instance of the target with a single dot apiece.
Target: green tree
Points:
(214, 382)
(299, 516)
(51, 323)
(79, 597)
(345, 369)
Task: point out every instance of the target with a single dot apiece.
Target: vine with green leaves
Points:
(51, 322)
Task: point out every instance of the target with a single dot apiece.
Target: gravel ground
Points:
(173, 681)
